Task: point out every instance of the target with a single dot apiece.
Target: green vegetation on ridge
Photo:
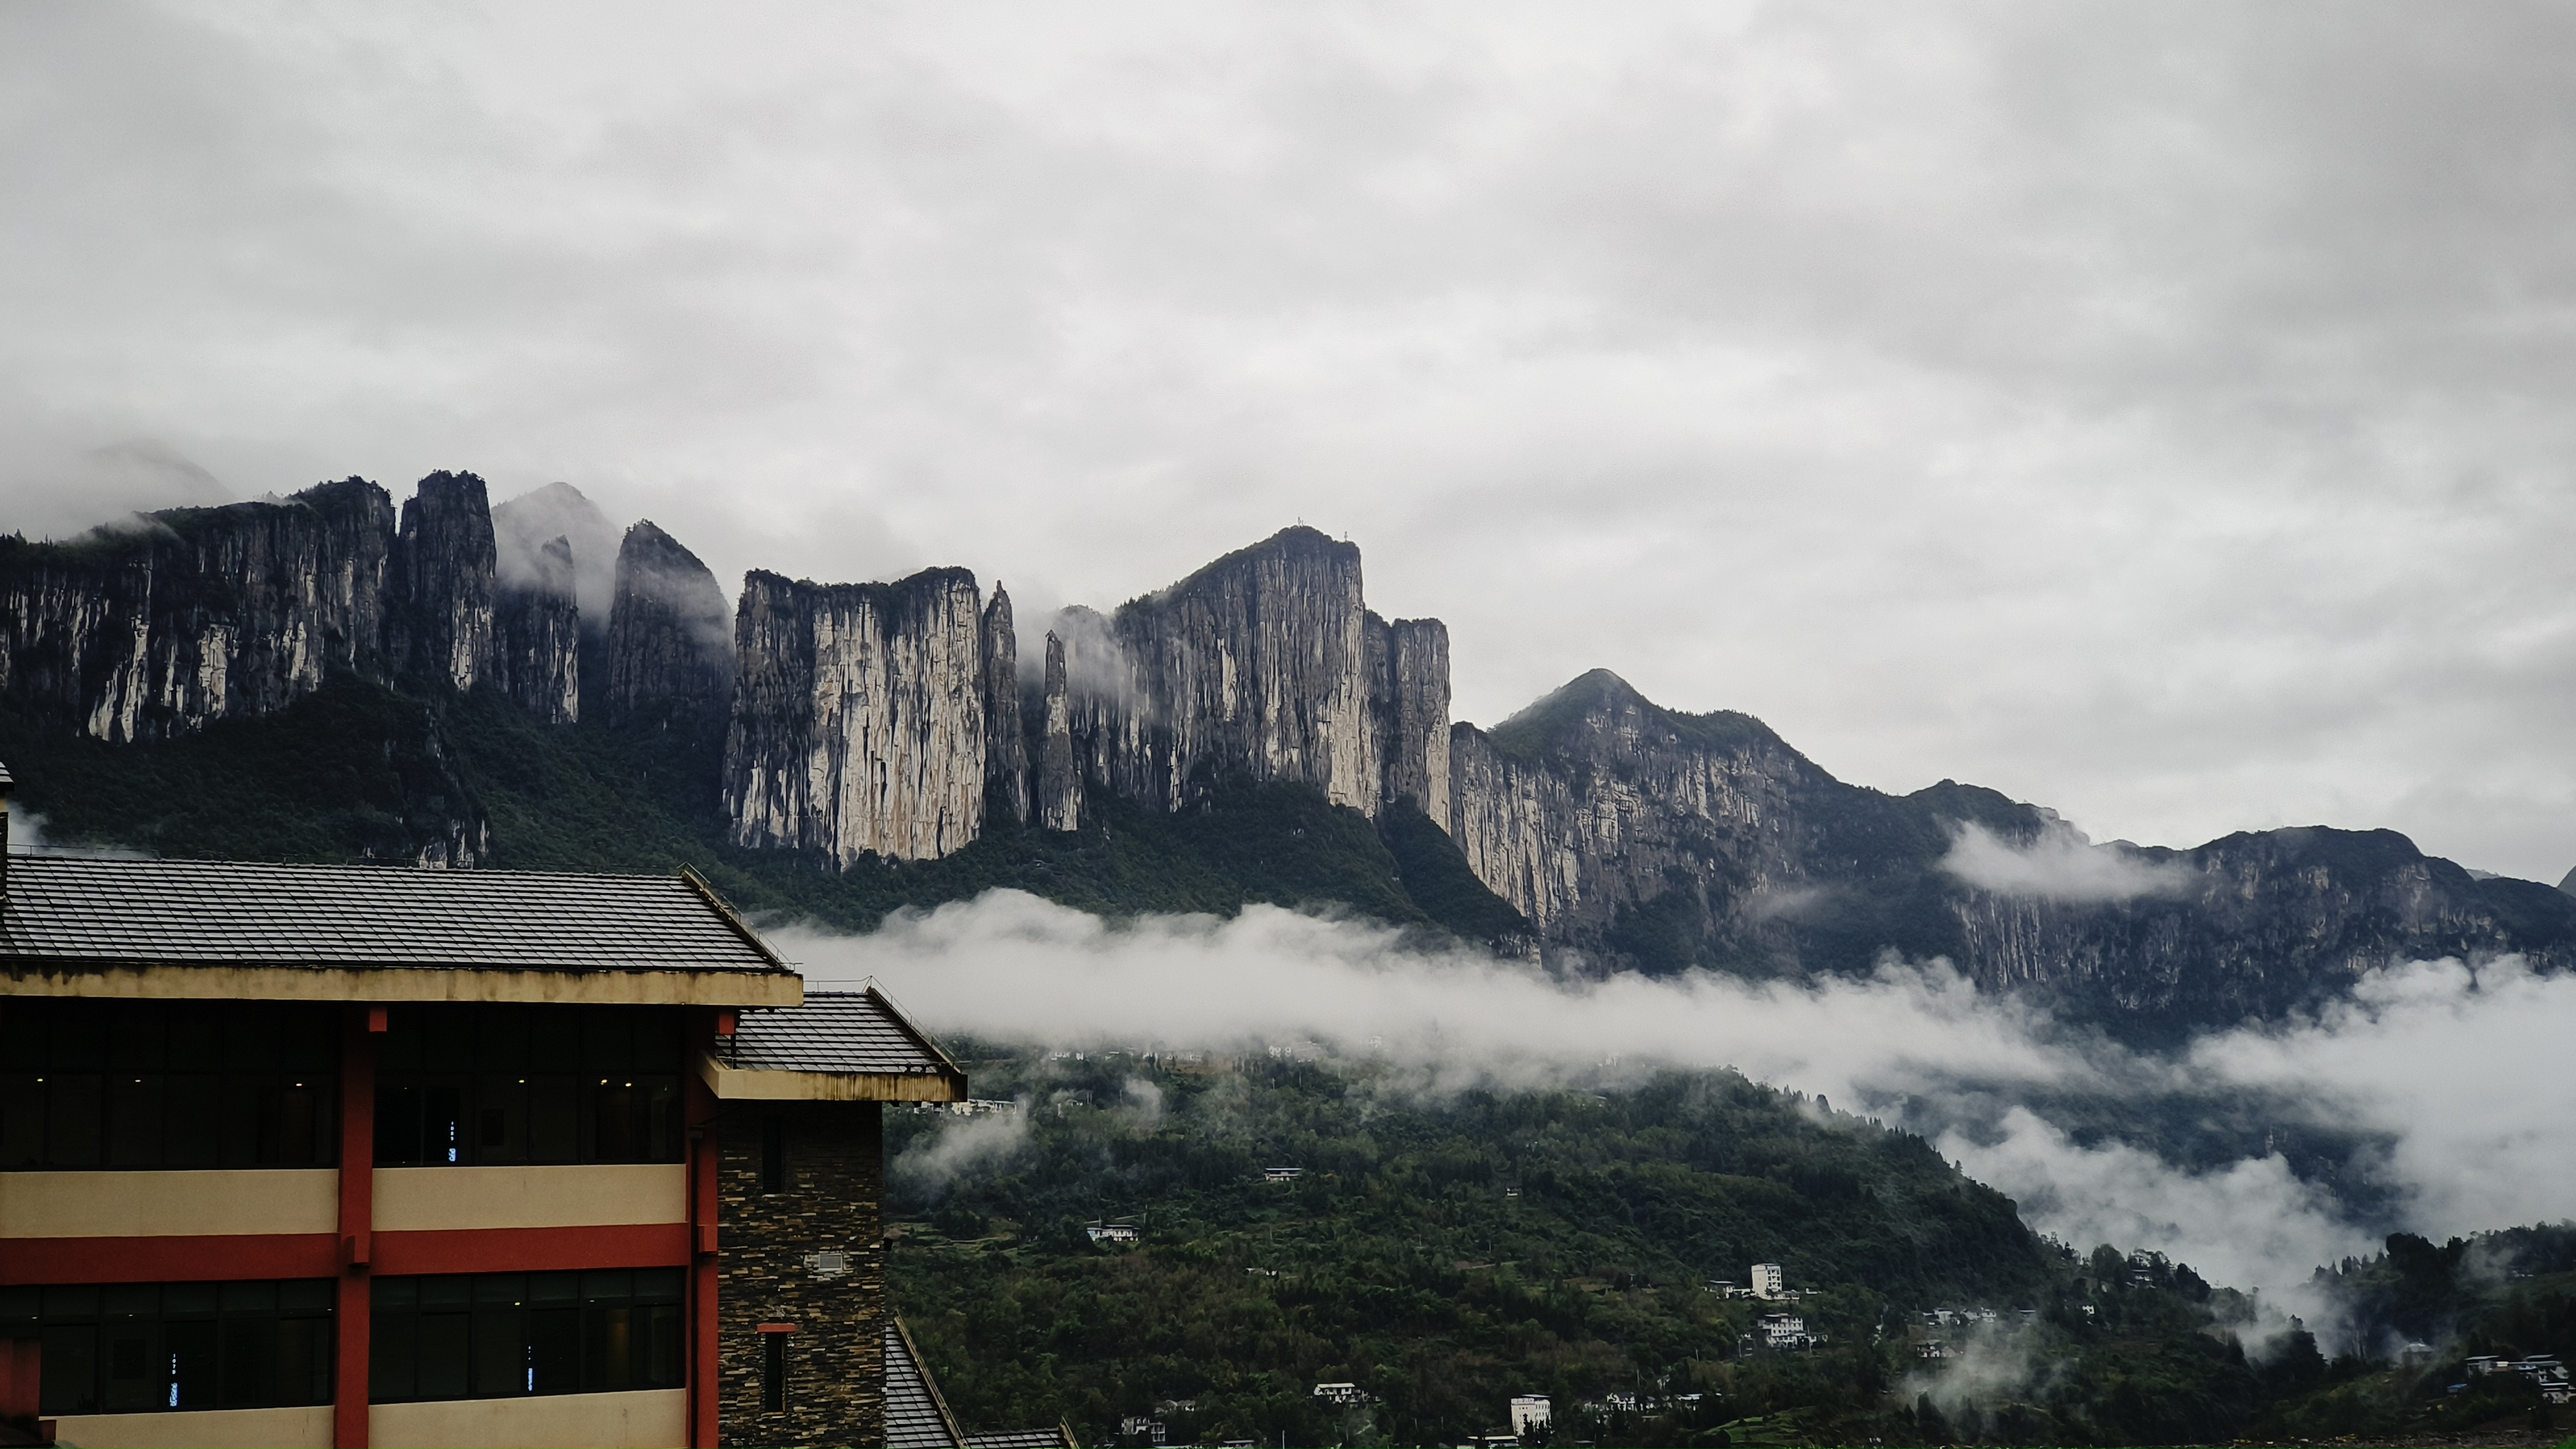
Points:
(1446, 1250)
(1443, 1250)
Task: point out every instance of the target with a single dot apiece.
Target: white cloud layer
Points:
(2154, 412)
(2059, 865)
(2456, 1068)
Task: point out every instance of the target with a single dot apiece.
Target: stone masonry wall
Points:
(766, 1273)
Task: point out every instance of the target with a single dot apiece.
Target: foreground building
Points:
(318, 1155)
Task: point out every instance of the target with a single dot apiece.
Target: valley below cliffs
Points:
(453, 683)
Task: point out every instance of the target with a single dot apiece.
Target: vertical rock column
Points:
(670, 646)
(1413, 715)
(538, 624)
(442, 627)
(1059, 803)
(1006, 755)
(859, 727)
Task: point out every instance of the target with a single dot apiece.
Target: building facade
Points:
(309, 1155)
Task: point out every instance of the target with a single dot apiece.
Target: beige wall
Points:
(575, 1421)
(425, 1199)
(165, 1204)
(307, 1428)
(307, 1200)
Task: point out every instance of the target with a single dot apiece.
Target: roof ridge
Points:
(376, 868)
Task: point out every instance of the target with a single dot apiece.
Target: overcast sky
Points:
(2159, 412)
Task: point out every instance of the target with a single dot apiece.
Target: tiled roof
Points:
(914, 1417)
(834, 1031)
(1021, 1439)
(179, 912)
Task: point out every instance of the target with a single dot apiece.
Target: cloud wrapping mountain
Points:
(2444, 1067)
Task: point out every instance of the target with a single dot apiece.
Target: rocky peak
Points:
(670, 636)
(1059, 790)
(523, 528)
(444, 564)
(1259, 663)
(1596, 801)
(1597, 713)
(1006, 760)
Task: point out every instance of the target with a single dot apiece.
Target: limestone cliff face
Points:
(1633, 836)
(1594, 801)
(196, 614)
(859, 724)
(670, 635)
(1110, 728)
(1409, 675)
(2256, 923)
(1006, 755)
(443, 583)
(1259, 663)
(1059, 783)
(537, 636)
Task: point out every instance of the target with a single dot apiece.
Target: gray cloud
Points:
(962, 1148)
(523, 526)
(2154, 413)
(2060, 864)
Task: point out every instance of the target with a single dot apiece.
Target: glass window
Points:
(149, 1084)
(508, 1084)
(497, 1335)
(132, 1348)
(773, 1154)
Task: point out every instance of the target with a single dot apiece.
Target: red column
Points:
(357, 1221)
(705, 1394)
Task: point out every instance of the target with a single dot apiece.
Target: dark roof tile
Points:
(178, 912)
(1020, 1439)
(914, 1418)
(834, 1031)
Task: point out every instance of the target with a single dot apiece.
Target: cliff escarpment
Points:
(859, 726)
(1259, 663)
(1252, 732)
(1265, 666)
(156, 627)
(1637, 837)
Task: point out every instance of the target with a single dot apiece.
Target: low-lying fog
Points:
(2426, 1102)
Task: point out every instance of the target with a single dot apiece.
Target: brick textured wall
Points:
(831, 1203)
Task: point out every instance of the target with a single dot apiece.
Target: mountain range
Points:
(453, 683)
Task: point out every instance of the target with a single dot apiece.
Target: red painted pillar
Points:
(705, 1392)
(22, 1372)
(357, 1222)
